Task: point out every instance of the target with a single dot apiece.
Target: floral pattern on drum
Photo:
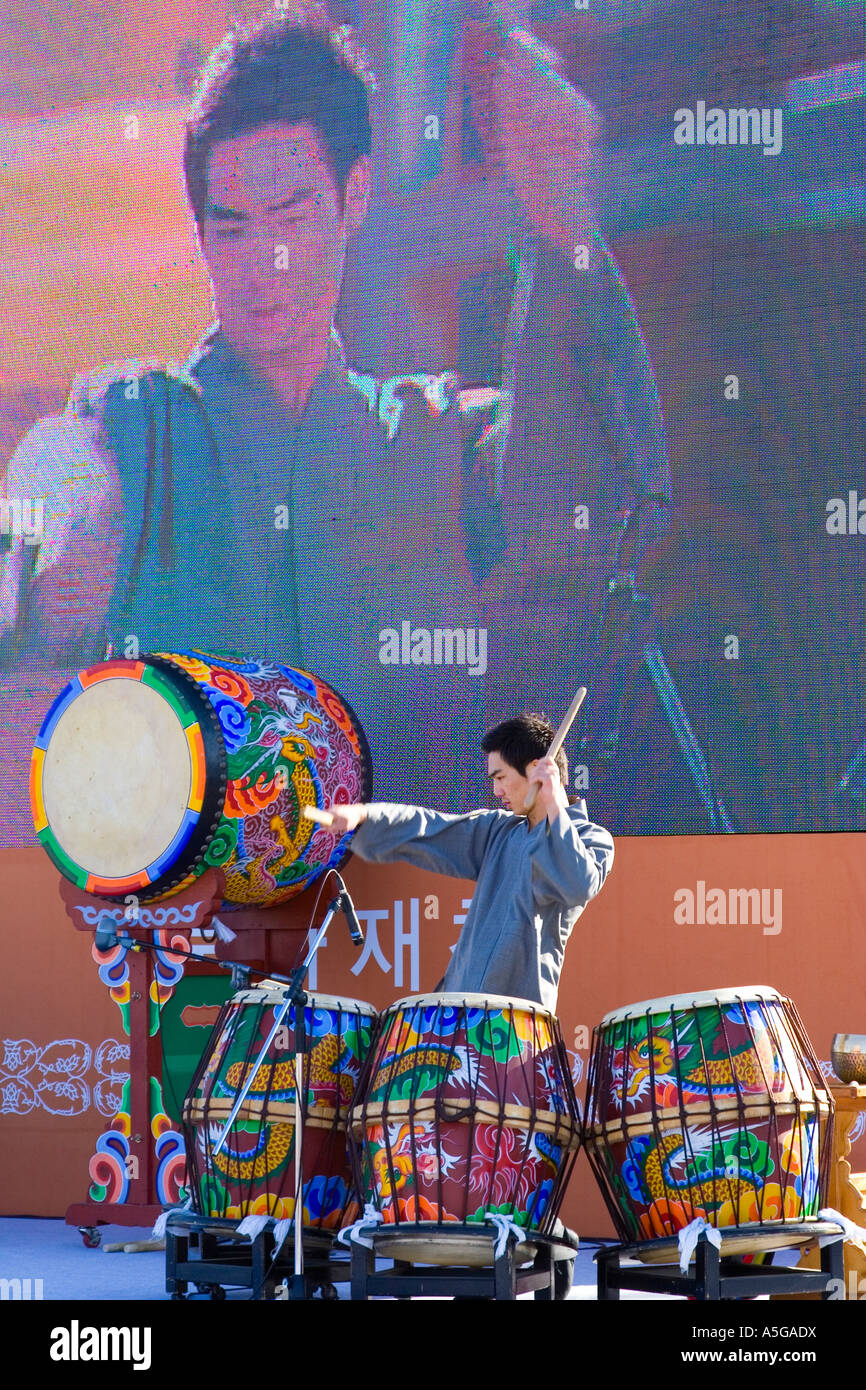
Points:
(290, 742)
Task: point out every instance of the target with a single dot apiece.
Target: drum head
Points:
(271, 992)
(677, 1002)
(491, 1002)
(434, 1244)
(118, 777)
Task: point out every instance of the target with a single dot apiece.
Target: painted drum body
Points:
(710, 1105)
(468, 1109)
(146, 773)
(254, 1173)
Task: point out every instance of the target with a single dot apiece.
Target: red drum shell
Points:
(468, 1110)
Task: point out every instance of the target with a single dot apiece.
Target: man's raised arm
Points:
(572, 859)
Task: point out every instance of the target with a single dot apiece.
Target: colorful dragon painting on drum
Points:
(708, 1106)
(254, 1172)
(468, 1111)
(290, 742)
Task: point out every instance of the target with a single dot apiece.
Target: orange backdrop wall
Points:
(62, 1040)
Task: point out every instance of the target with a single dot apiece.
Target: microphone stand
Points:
(295, 997)
(852, 783)
(851, 787)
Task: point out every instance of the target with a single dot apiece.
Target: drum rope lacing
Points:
(768, 1077)
(400, 1139)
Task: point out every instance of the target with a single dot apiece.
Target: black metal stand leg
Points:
(833, 1263)
(258, 1265)
(608, 1289)
(504, 1283)
(176, 1252)
(707, 1284)
(544, 1264)
(402, 1267)
(362, 1266)
(299, 1288)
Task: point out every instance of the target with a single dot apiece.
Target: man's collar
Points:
(215, 355)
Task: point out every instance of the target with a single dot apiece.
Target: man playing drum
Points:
(535, 872)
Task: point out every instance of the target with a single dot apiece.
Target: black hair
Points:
(520, 741)
(279, 70)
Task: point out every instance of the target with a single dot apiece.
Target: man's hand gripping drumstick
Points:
(545, 775)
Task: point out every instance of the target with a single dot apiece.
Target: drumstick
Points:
(558, 741)
(320, 817)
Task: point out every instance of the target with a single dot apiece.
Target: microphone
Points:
(106, 935)
(349, 912)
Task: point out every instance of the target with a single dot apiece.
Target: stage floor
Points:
(40, 1249)
(36, 1248)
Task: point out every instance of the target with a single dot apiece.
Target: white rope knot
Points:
(687, 1239)
(223, 932)
(354, 1234)
(851, 1233)
(252, 1226)
(505, 1227)
(159, 1225)
(281, 1231)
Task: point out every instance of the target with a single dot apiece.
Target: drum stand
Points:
(722, 1273)
(491, 1276)
(208, 1252)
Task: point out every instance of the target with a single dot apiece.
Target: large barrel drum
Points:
(467, 1110)
(710, 1105)
(254, 1171)
(147, 772)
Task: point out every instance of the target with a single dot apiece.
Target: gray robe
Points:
(533, 884)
